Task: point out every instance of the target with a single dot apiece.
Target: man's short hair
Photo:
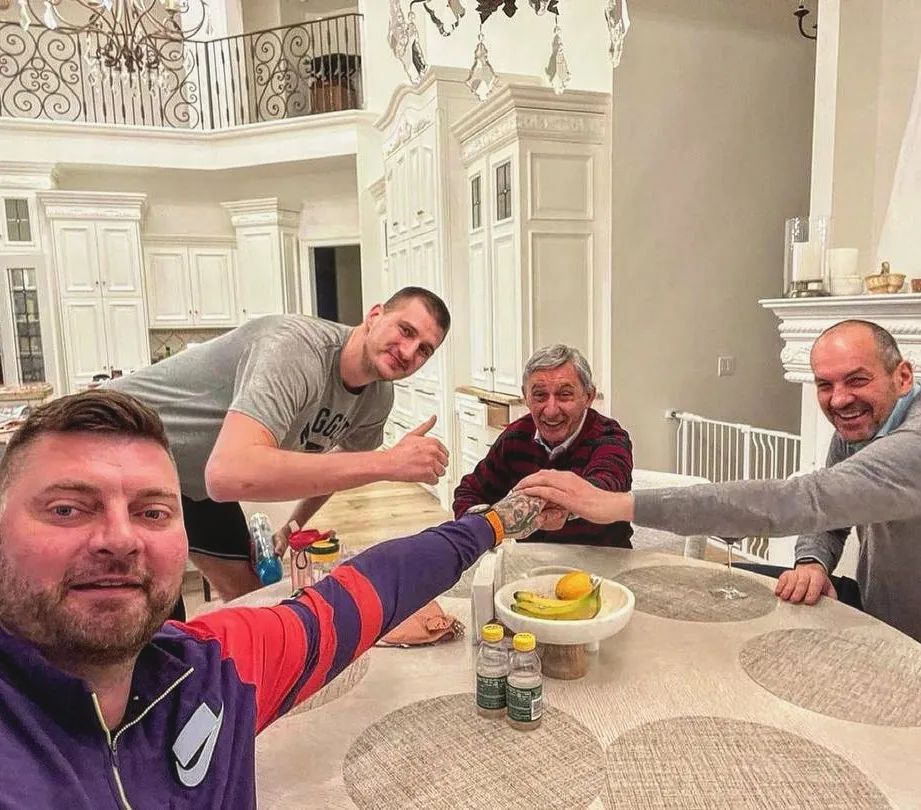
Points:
(889, 354)
(435, 306)
(97, 411)
(555, 356)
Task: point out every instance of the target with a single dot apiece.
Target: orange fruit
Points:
(573, 585)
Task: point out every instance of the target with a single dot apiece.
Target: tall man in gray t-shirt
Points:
(249, 413)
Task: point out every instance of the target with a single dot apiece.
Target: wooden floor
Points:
(365, 516)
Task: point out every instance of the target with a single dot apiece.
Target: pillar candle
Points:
(842, 262)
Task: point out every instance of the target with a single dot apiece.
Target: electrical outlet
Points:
(725, 366)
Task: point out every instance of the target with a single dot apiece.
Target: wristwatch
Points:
(492, 516)
(809, 560)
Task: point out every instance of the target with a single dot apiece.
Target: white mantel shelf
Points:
(803, 319)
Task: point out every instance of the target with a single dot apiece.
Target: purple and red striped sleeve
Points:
(291, 650)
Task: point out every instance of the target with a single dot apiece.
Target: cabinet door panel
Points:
(75, 257)
(126, 332)
(213, 300)
(169, 297)
(119, 258)
(84, 340)
(423, 180)
(506, 306)
(481, 323)
(425, 273)
(259, 274)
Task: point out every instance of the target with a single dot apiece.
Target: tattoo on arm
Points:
(519, 513)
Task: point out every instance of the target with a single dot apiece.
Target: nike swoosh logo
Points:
(195, 745)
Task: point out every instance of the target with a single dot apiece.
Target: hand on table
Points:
(805, 583)
(417, 458)
(568, 491)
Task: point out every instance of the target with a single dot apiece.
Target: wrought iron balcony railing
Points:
(269, 75)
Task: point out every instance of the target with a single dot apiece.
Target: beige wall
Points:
(711, 151)
(874, 61)
(348, 284)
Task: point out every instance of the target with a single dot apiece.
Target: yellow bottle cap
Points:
(524, 642)
(492, 632)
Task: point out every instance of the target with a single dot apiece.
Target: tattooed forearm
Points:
(519, 514)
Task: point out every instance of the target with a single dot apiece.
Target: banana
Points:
(542, 601)
(528, 603)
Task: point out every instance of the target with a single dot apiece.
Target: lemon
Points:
(573, 585)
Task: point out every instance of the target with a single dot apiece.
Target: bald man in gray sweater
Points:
(872, 482)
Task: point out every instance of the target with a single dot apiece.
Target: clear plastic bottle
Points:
(491, 672)
(264, 560)
(524, 695)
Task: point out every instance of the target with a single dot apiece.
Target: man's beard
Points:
(110, 635)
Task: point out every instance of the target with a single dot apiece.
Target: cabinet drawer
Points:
(471, 413)
(403, 400)
(429, 404)
(471, 445)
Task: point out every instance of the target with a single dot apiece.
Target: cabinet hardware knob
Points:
(190, 312)
(420, 212)
(485, 368)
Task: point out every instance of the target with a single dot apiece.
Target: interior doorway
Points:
(335, 272)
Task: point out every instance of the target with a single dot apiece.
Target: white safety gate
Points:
(726, 451)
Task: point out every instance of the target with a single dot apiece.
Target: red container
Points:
(302, 574)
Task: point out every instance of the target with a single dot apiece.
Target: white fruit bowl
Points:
(617, 604)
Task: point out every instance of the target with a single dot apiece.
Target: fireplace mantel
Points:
(801, 322)
(803, 319)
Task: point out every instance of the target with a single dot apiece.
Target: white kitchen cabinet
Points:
(190, 285)
(268, 272)
(537, 214)
(85, 347)
(425, 238)
(213, 298)
(494, 278)
(169, 288)
(99, 279)
(127, 346)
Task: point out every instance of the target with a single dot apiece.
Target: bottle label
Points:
(490, 692)
(525, 705)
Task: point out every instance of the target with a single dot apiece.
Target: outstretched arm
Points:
(290, 651)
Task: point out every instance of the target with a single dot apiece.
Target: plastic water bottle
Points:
(525, 684)
(265, 561)
(491, 672)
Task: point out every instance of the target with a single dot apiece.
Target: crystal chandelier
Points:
(403, 37)
(121, 38)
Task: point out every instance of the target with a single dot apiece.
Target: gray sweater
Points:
(877, 489)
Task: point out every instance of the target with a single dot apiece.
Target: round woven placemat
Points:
(692, 763)
(439, 753)
(847, 674)
(684, 592)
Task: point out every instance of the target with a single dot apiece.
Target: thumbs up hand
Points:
(418, 458)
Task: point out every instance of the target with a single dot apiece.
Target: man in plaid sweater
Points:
(561, 432)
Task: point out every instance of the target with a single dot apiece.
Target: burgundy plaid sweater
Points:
(601, 453)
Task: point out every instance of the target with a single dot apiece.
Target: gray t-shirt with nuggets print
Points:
(281, 370)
